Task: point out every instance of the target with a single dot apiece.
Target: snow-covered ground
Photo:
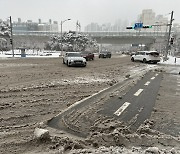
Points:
(171, 61)
(41, 54)
(100, 76)
(29, 53)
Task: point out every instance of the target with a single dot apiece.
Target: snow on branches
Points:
(4, 29)
(71, 41)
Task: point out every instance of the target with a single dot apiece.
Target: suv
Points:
(105, 54)
(146, 56)
(87, 55)
(74, 59)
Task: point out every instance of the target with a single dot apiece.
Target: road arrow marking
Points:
(122, 108)
(152, 78)
(147, 83)
(138, 92)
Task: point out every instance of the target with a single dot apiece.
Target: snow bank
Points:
(171, 61)
(41, 133)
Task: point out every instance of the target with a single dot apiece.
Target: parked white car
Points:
(146, 57)
(74, 59)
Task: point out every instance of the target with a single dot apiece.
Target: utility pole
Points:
(169, 34)
(62, 34)
(11, 39)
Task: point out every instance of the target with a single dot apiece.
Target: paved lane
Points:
(136, 106)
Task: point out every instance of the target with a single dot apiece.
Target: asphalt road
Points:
(136, 106)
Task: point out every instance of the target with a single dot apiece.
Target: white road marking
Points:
(138, 92)
(152, 78)
(147, 83)
(177, 93)
(122, 108)
(157, 74)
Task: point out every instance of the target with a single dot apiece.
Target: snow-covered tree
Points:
(72, 41)
(4, 35)
(4, 29)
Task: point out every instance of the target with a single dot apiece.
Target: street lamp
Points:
(11, 39)
(61, 32)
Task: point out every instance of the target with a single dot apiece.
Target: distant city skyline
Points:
(148, 17)
(85, 11)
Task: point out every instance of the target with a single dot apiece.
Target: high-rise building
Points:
(147, 17)
(39, 21)
(92, 27)
(19, 20)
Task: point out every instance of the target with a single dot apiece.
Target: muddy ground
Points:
(33, 90)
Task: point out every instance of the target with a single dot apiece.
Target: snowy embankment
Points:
(171, 61)
(29, 53)
(34, 53)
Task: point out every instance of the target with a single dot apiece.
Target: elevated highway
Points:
(127, 37)
(38, 38)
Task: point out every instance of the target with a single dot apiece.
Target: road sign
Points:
(138, 25)
(129, 27)
(150, 26)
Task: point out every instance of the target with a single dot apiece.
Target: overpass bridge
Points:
(38, 38)
(127, 37)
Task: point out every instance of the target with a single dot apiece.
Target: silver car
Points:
(74, 59)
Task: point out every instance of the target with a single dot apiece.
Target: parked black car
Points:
(105, 54)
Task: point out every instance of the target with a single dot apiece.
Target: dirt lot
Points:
(33, 90)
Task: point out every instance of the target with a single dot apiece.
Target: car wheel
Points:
(132, 59)
(92, 58)
(144, 60)
(67, 63)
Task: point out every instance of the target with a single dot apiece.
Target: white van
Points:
(146, 57)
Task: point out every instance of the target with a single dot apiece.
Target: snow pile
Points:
(123, 150)
(41, 133)
(30, 53)
(171, 61)
(83, 80)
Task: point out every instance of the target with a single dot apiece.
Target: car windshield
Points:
(74, 54)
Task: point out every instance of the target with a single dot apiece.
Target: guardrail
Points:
(102, 34)
(93, 34)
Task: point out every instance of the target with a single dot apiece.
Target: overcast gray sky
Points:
(85, 11)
